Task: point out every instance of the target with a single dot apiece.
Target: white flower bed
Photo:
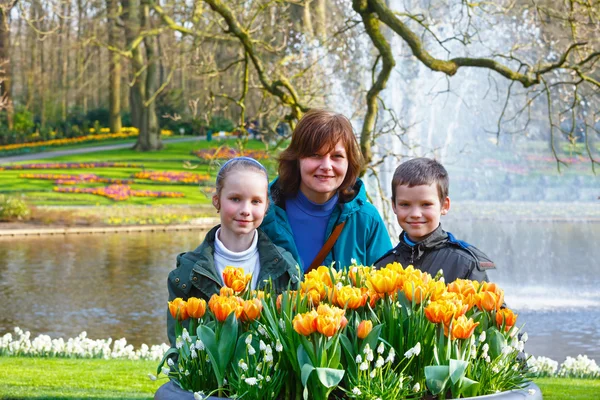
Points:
(83, 347)
(79, 347)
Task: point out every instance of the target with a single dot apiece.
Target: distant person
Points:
(241, 199)
(419, 199)
(320, 212)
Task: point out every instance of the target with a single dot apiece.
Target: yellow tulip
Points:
(349, 297)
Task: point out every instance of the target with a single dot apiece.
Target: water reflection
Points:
(114, 285)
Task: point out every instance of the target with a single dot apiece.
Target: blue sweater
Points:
(364, 237)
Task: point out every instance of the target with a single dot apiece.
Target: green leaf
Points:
(468, 387)
(436, 378)
(162, 362)
(309, 350)
(240, 350)
(227, 340)
(371, 339)
(457, 370)
(210, 344)
(330, 377)
(307, 369)
(334, 359)
(496, 341)
(352, 368)
(303, 357)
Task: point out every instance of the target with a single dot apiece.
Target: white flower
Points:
(495, 369)
(152, 377)
(170, 362)
(356, 391)
(262, 331)
(243, 365)
(367, 349)
(379, 363)
(251, 350)
(281, 325)
(198, 395)
(525, 337)
(193, 354)
(339, 285)
(391, 356)
(187, 373)
(179, 342)
(415, 351)
(251, 381)
(268, 378)
(199, 345)
(262, 346)
(358, 359)
(531, 392)
(417, 387)
(363, 366)
(373, 374)
(186, 336)
(380, 348)
(353, 261)
(482, 337)
(249, 339)
(370, 356)
(165, 370)
(278, 346)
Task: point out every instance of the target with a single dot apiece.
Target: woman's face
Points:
(322, 173)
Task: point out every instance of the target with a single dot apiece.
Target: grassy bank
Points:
(175, 157)
(54, 378)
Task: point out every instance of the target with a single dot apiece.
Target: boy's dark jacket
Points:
(196, 276)
(440, 250)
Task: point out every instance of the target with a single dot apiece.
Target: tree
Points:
(5, 71)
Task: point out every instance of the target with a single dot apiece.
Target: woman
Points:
(318, 189)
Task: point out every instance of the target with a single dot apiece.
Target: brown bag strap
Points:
(326, 247)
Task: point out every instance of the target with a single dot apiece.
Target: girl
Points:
(241, 199)
(318, 189)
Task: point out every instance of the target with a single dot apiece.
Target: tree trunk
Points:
(320, 7)
(114, 72)
(65, 29)
(5, 72)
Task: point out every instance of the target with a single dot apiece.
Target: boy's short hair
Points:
(421, 171)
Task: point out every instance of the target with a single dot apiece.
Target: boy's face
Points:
(418, 210)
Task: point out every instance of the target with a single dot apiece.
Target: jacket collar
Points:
(435, 239)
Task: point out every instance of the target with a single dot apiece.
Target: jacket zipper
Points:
(412, 255)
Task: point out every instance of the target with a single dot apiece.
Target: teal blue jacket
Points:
(364, 237)
(196, 275)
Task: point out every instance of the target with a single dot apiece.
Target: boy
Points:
(419, 198)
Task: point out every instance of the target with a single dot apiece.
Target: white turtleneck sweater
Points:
(247, 259)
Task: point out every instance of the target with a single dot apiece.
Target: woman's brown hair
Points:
(316, 131)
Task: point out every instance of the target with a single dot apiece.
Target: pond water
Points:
(114, 285)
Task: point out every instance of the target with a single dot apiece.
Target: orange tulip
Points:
(488, 301)
(349, 297)
(226, 291)
(330, 320)
(507, 316)
(464, 287)
(463, 328)
(305, 324)
(358, 274)
(196, 307)
(221, 307)
(414, 291)
(236, 279)
(364, 328)
(178, 309)
(251, 310)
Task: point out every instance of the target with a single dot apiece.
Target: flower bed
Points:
(225, 152)
(172, 176)
(66, 179)
(361, 333)
(70, 165)
(117, 192)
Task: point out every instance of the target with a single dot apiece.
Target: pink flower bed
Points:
(118, 192)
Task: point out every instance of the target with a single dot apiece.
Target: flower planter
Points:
(170, 391)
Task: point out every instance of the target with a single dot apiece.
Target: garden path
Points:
(58, 153)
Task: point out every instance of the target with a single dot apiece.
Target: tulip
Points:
(305, 324)
(488, 301)
(506, 316)
(463, 328)
(236, 279)
(350, 297)
(178, 309)
(251, 309)
(221, 307)
(196, 307)
(382, 283)
(364, 328)
(414, 291)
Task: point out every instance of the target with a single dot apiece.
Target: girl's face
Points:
(243, 202)
(323, 173)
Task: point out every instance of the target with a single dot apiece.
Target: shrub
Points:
(12, 208)
(218, 123)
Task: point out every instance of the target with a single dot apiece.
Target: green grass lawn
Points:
(56, 378)
(174, 157)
